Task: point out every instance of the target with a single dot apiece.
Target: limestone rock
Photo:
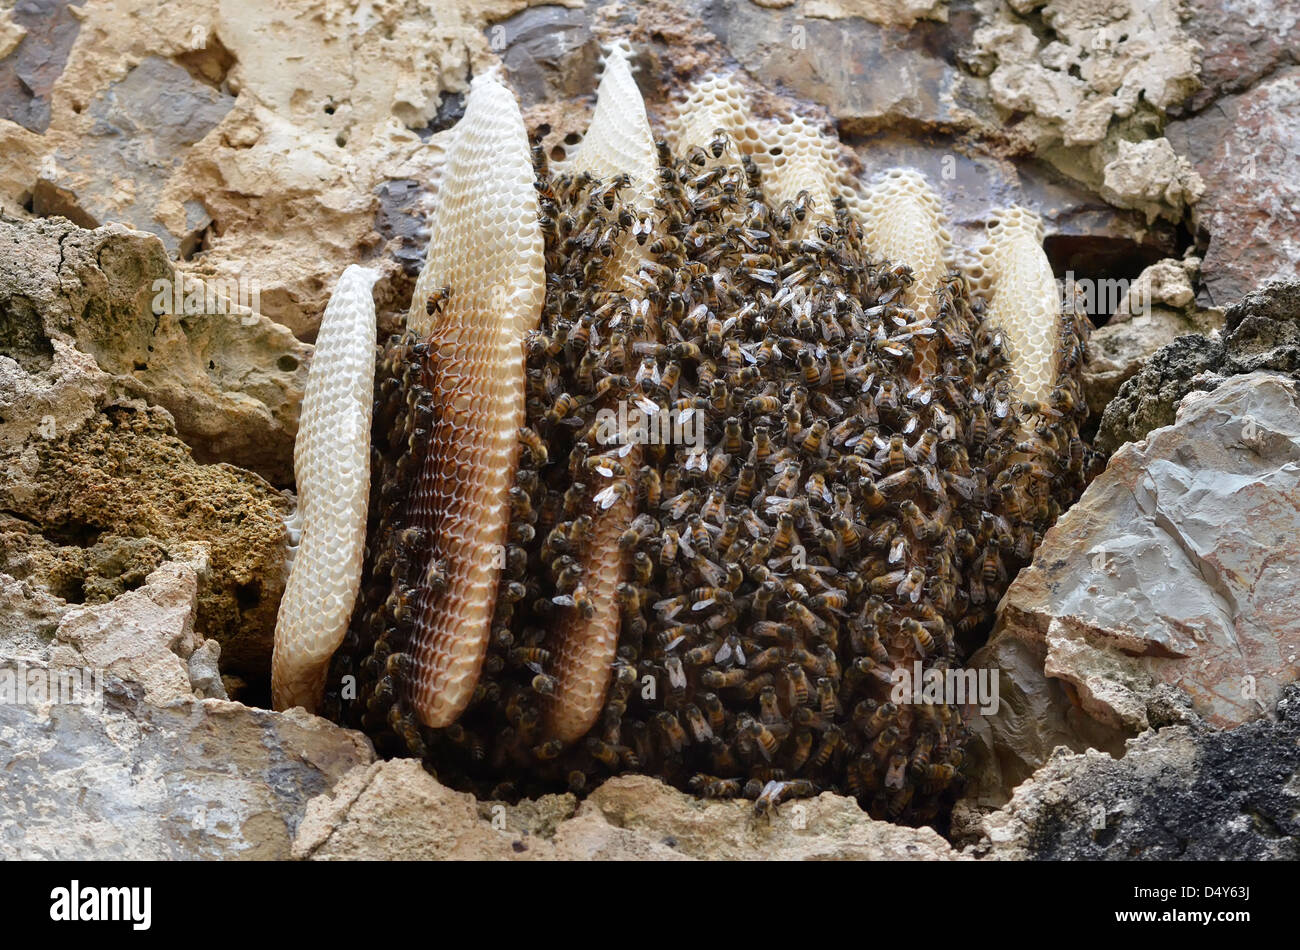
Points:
(146, 635)
(29, 615)
(204, 669)
(99, 492)
(640, 816)
(232, 380)
(1149, 176)
(144, 125)
(1172, 570)
(1096, 63)
(887, 12)
(1158, 307)
(128, 780)
(396, 810)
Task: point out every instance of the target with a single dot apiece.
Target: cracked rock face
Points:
(99, 490)
(231, 380)
(1243, 149)
(1174, 570)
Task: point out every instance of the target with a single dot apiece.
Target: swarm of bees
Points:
(837, 516)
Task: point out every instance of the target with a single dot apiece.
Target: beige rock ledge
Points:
(396, 811)
(127, 780)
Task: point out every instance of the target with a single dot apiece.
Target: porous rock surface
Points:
(1153, 311)
(397, 810)
(232, 381)
(98, 489)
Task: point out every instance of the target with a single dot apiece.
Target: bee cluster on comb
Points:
(724, 608)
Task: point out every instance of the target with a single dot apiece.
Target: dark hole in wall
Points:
(450, 109)
(73, 534)
(1102, 265)
(210, 63)
(249, 595)
(73, 590)
(22, 336)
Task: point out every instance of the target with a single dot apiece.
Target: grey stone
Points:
(143, 126)
(28, 73)
(205, 672)
(548, 52)
(400, 222)
(1172, 571)
(194, 779)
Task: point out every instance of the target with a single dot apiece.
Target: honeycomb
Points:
(1023, 299)
(480, 290)
(618, 142)
(902, 220)
(331, 460)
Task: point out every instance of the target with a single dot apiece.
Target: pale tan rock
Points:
(829, 827)
(1165, 283)
(22, 150)
(129, 780)
(98, 489)
(231, 379)
(1084, 68)
(11, 34)
(885, 12)
(1149, 176)
(29, 615)
(146, 635)
(292, 118)
(396, 810)
(1153, 310)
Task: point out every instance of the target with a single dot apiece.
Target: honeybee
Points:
(436, 300)
(919, 635)
(534, 444)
